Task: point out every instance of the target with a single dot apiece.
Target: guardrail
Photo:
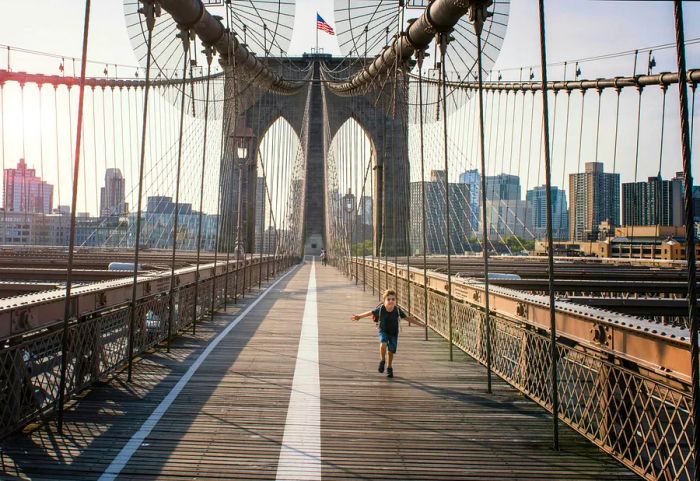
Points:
(30, 359)
(624, 382)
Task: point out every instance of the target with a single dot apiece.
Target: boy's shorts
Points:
(391, 341)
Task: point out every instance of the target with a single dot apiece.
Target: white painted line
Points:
(300, 456)
(134, 443)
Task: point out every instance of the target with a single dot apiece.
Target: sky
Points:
(576, 29)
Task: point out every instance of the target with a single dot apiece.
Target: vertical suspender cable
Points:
(277, 195)
(658, 207)
(573, 233)
(420, 57)
(399, 159)
(226, 229)
(261, 245)
(381, 180)
(225, 125)
(566, 144)
(358, 205)
(370, 167)
(640, 89)
(394, 207)
(149, 10)
(550, 245)
(71, 242)
(94, 154)
(185, 37)
(41, 151)
(2, 154)
(689, 230)
(402, 211)
(58, 167)
(448, 234)
(208, 53)
(478, 25)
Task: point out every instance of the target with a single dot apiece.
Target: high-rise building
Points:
(260, 212)
(25, 192)
(696, 200)
(161, 204)
(508, 218)
(436, 239)
(112, 195)
(502, 187)
(473, 179)
(594, 197)
(654, 202)
(437, 176)
(366, 210)
(537, 200)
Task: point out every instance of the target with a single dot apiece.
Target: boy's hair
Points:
(389, 292)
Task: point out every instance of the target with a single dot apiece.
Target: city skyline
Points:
(519, 50)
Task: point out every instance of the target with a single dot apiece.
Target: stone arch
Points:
(273, 168)
(388, 136)
(363, 158)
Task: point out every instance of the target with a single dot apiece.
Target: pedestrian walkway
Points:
(285, 386)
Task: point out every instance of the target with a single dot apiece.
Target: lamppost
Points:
(349, 207)
(243, 137)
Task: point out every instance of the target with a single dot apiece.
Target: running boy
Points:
(387, 316)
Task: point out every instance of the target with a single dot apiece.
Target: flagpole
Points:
(316, 33)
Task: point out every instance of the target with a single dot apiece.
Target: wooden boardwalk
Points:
(237, 417)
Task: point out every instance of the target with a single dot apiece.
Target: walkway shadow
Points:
(93, 431)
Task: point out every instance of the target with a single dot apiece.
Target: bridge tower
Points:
(386, 130)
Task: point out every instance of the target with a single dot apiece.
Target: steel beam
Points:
(439, 16)
(659, 350)
(22, 314)
(192, 15)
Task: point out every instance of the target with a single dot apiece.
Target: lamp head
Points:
(349, 202)
(242, 138)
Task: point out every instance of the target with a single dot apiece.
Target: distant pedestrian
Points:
(387, 316)
(324, 257)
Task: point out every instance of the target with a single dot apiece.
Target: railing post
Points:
(245, 276)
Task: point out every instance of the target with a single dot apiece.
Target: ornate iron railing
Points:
(30, 363)
(638, 415)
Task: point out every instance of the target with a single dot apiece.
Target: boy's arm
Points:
(357, 317)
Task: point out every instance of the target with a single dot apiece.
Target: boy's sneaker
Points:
(390, 372)
(381, 366)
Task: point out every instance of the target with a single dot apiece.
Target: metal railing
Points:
(30, 364)
(638, 415)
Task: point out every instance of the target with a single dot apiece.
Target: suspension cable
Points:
(149, 12)
(554, 353)
(71, 242)
(689, 232)
(484, 227)
(208, 53)
(443, 38)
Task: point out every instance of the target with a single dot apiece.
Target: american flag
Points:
(322, 25)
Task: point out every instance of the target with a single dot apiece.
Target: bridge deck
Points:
(239, 418)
